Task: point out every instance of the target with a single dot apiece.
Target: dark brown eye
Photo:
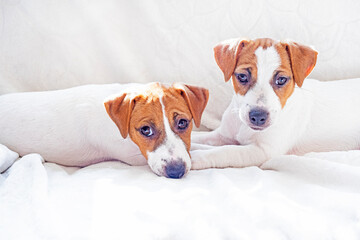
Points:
(280, 81)
(182, 124)
(242, 78)
(146, 131)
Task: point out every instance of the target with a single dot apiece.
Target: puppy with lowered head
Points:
(80, 126)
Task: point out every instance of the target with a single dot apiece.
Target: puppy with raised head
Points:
(275, 110)
(80, 126)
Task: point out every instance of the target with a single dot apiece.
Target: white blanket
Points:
(316, 196)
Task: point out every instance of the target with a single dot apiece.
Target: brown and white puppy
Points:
(75, 127)
(273, 110)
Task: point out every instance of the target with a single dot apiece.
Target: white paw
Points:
(200, 137)
(7, 158)
(198, 160)
(198, 146)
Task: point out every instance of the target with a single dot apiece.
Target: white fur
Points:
(172, 149)
(319, 116)
(262, 94)
(69, 127)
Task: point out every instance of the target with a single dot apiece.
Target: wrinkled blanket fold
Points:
(315, 196)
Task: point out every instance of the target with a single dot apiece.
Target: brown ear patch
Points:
(119, 109)
(196, 99)
(302, 60)
(226, 54)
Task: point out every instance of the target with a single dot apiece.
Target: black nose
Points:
(175, 169)
(258, 117)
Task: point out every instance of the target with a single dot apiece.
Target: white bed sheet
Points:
(315, 196)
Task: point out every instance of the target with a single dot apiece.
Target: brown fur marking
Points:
(297, 61)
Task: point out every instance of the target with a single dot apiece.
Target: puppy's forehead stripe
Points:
(268, 60)
(170, 135)
(264, 61)
(166, 121)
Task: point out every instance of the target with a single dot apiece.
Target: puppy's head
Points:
(264, 73)
(159, 121)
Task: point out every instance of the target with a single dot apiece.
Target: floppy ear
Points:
(302, 59)
(196, 98)
(226, 54)
(119, 110)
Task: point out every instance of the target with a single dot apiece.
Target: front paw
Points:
(198, 160)
(198, 146)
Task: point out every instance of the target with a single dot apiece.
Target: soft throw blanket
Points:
(316, 196)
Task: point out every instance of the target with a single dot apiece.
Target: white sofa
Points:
(48, 45)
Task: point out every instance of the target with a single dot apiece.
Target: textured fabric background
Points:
(47, 44)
